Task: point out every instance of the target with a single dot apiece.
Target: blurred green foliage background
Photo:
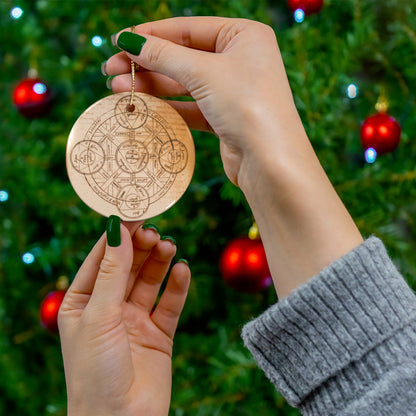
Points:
(366, 42)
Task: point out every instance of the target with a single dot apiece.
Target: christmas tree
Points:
(342, 59)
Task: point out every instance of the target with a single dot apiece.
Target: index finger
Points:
(197, 32)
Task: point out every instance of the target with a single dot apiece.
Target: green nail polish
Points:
(108, 82)
(113, 231)
(104, 69)
(131, 42)
(168, 237)
(184, 261)
(150, 227)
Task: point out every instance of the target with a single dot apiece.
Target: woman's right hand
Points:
(233, 70)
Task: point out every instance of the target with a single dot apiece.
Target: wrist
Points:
(81, 407)
(274, 148)
(303, 224)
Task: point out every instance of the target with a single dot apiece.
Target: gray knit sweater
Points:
(344, 343)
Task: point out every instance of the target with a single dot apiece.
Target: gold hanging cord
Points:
(133, 81)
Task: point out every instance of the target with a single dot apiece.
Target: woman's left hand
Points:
(116, 345)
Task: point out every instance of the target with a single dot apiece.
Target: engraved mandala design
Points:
(129, 159)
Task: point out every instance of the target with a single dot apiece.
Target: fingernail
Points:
(113, 231)
(150, 227)
(184, 261)
(108, 82)
(104, 69)
(168, 237)
(114, 39)
(131, 42)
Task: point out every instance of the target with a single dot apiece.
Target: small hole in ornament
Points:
(130, 108)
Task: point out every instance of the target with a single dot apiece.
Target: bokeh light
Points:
(299, 15)
(16, 12)
(4, 195)
(352, 91)
(370, 155)
(28, 258)
(97, 41)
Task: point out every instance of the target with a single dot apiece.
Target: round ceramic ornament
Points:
(130, 155)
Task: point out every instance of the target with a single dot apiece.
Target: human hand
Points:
(117, 350)
(233, 70)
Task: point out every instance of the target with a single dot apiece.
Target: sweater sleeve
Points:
(344, 343)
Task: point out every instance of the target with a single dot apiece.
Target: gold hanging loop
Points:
(130, 107)
(133, 74)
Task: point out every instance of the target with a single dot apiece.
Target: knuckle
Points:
(186, 36)
(106, 267)
(170, 312)
(156, 52)
(268, 30)
(260, 28)
(109, 269)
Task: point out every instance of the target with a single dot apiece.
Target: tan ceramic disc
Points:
(134, 164)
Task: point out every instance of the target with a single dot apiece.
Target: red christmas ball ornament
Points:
(49, 309)
(380, 132)
(32, 98)
(308, 6)
(244, 267)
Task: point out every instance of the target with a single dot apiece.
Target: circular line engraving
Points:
(87, 157)
(130, 164)
(131, 119)
(134, 201)
(132, 156)
(173, 156)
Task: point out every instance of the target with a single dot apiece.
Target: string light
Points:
(39, 88)
(4, 195)
(299, 15)
(352, 91)
(16, 13)
(370, 155)
(28, 258)
(97, 41)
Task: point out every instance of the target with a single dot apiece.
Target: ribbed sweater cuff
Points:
(327, 328)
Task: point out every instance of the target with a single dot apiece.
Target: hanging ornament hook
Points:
(382, 104)
(62, 283)
(253, 232)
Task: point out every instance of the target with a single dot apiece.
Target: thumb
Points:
(178, 62)
(110, 286)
